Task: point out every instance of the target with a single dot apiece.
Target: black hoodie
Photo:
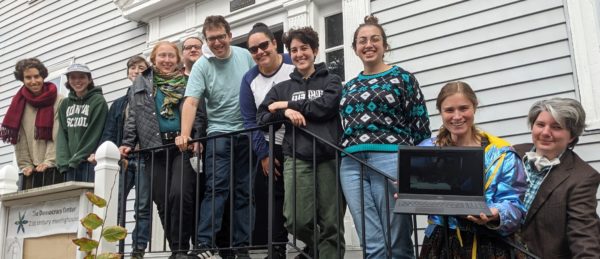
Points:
(320, 110)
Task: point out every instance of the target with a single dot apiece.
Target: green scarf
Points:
(172, 85)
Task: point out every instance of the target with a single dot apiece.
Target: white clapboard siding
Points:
(87, 31)
(512, 53)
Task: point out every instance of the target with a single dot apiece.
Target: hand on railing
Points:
(295, 117)
(41, 167)
(92, 159)
(183, 143)
(27, 171)
(265, 167)
(124, 150)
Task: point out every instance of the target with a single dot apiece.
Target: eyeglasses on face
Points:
(217, 37)
(263, 45)
(365, 40)
(190, 47)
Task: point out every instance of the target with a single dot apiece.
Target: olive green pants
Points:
(300, 218)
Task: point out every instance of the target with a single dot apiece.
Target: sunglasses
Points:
(263, 45)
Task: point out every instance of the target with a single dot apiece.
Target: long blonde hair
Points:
(444, 137)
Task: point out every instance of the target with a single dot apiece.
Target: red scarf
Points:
(44, 119)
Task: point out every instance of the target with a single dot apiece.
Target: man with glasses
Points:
(192, 51)
(217, 78)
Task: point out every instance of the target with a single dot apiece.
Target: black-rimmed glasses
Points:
(218, 37)
(190, 47)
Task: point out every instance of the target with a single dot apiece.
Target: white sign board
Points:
(40, 219)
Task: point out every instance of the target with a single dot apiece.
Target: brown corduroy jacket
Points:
(562, 221)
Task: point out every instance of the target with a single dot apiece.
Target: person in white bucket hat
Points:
(81, 120)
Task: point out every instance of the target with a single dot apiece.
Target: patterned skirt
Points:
(488, 245)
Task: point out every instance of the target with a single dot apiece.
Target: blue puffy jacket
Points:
(505, 185)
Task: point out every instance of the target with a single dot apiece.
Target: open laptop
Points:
(441, 181)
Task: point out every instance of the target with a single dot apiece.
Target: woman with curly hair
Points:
(310, 101)
(30, 124)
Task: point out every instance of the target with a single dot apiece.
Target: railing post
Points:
(9, 176)
(106, 185)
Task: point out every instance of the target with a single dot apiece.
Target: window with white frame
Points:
(56, 75)
(583, 17)
(334, 44)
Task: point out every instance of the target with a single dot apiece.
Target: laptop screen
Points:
(441, 170)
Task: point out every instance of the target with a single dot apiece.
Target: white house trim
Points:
(353, 13)
(143, 10)
(298, 12)
(583, 18)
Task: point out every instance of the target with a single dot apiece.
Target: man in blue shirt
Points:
(216, 78)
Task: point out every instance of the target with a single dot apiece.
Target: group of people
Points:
(54, 135)
(542, 196)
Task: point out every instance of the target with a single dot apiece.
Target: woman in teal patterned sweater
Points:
(381, 108)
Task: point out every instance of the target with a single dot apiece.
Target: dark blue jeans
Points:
(227, 158)
(136, 177)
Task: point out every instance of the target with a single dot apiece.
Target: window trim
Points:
(324, 40)
(59, 69)
(332, 49)
(585, 43)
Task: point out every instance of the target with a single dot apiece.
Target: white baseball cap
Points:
(78, 68)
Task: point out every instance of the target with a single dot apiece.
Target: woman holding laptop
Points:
(476, 236)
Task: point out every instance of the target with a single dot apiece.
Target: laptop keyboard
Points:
(442, 204)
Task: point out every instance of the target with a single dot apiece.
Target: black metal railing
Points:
(52, 176)
(49, 177)
(150, 154)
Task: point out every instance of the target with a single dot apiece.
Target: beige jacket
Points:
(31, 152)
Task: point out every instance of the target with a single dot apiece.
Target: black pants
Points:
(174, 187)
(261, 196)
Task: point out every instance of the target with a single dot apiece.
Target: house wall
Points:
(60, 33)
(512, 53)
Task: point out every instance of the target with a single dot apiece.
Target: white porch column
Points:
(153, 36)
(9, 176)
(190, 17)
(106, 185)
(298, 13)
(353, 12)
